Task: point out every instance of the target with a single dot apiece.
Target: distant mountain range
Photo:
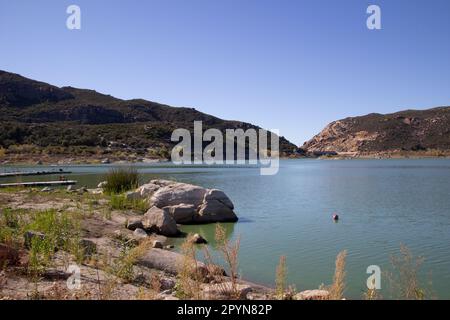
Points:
(37, 117)
(409, 132)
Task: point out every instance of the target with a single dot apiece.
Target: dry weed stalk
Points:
(404, 278)
(230, 253)
(280, 278)
(372, 294)
(338, 287)
(189, 276)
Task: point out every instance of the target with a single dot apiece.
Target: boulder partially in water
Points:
(187, 203)
(219, 195)
(159, 221)
(178, 193)
(182, 213)
(214, 211)
(197, 239)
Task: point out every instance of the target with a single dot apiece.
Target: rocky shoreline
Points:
(126, 254)
(39, 159)
(62, 160)
(384, 155)
(29, 159)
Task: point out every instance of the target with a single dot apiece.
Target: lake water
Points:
(382, 203)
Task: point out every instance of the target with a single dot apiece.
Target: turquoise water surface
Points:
(382, 204)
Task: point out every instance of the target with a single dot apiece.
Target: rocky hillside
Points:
(408, 132)
(37, 117)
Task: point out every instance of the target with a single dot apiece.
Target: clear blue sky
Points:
(290, 65)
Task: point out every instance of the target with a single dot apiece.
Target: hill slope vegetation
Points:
(38, 118)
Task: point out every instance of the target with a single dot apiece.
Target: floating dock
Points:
(39, 184)
(31, 173)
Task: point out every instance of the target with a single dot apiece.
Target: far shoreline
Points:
(74, 161)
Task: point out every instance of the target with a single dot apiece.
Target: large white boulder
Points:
(186, 203)
(159, 221)
(215, 211)
(219, 195)
(178, 193)
(145, 191)
(162, 182)
(182, 213)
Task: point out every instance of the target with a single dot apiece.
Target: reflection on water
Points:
(208, 232)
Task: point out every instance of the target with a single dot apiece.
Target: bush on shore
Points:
(121, 180)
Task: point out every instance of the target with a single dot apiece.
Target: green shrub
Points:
(121, 179)
(41, 252)
(10, 225)
(62, 230)
(57, 227)
(120, 202)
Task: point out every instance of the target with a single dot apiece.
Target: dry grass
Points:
(121, 270)
(280, 278)
(61, 229)
(372, 294)
(337, 289)
(189, 278)
(404, 278)
(145, 294)
(230, 253)
(150, 293)
(123, 267)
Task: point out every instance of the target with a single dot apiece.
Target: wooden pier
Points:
(31, 173)
(39, 184)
